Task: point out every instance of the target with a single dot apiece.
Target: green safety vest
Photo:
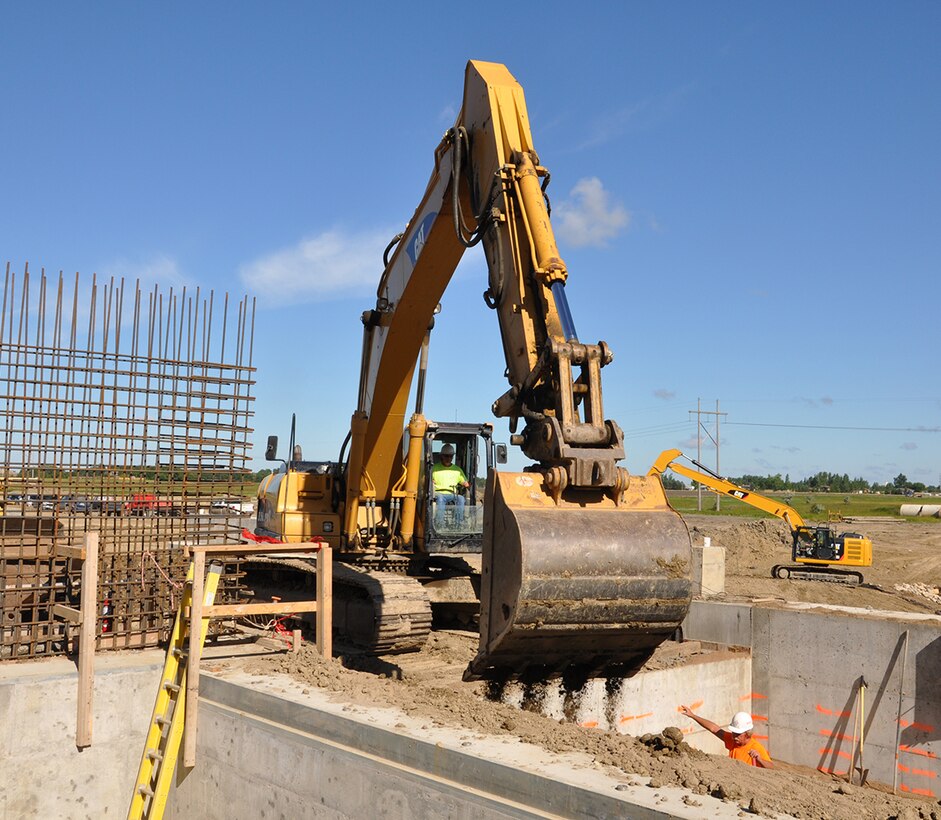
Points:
(446, 479)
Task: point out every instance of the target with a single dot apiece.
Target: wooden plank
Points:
(194, 646)
(325, 602)
(275, 608)
(272, 643)
(86, 641)
(62, 551)
(256, 549)
(67, 613)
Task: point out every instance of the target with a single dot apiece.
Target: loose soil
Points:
(428, 684)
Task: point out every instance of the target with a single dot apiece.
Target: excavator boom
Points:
(669, 460)
(583, 564)
(815, 548)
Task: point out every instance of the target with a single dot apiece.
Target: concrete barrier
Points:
(42, 772)
(807, 665)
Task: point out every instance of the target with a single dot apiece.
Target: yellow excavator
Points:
(579, 564)
(818, 553)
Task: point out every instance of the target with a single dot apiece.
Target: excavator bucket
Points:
(582, 583)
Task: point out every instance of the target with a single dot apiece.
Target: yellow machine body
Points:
(583, 564)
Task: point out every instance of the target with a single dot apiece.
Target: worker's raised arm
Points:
(708, 725)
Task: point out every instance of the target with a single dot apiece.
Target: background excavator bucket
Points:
(579, 584)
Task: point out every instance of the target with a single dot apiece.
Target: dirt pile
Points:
(905, 552)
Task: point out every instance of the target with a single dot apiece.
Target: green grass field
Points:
(812, 506)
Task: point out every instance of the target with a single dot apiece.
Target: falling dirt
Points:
(427, 685)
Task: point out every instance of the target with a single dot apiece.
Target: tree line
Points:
(822, 482)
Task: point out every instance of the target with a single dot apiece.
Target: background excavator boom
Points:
(813, 548)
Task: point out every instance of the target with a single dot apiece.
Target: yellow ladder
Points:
(166, 723)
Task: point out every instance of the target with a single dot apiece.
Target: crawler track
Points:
(808, 573)
(374, 612)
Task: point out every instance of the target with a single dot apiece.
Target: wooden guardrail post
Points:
(323, 606)
(325, 601)
(86, 642)
(86, 618)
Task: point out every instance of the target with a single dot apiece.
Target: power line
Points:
(834, 427)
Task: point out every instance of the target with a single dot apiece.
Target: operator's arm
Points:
(708, 725)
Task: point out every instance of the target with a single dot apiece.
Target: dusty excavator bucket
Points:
(581, 584)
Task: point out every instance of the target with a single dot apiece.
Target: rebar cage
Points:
(125, 412)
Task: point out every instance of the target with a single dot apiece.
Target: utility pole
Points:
(715, 440)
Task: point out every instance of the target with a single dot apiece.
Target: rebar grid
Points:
(126, 412)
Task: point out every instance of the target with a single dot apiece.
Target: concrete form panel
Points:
(726, 624)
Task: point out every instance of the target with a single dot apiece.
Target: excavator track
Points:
(374, 612)
(827, 574)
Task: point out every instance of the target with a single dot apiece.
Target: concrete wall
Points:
(718, 685)
(43, 774)
(807, 665)
(271, 748)
(721, 623)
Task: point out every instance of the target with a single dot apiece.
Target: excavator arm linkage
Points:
(583, 565)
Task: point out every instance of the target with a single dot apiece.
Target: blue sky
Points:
(747, 196)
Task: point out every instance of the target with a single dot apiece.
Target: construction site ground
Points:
(428, 684)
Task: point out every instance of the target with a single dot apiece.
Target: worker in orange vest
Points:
(737, 737)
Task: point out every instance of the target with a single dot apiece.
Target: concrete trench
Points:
(272, 747)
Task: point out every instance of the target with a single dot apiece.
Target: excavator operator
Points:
(448, 478)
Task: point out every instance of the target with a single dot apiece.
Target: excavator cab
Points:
(454, 513)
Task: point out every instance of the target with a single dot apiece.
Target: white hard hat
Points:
(447, 450)
(741, 722)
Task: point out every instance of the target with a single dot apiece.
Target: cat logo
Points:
(738, 493)
(417, 242)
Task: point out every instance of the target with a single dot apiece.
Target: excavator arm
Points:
(583, 564)
(816, 546)
(486, 186)
(668, 460)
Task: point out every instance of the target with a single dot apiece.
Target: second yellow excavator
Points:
(817, 551)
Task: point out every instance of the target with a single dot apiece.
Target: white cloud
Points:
(159, 269)
(329, 265)
(589, 216)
